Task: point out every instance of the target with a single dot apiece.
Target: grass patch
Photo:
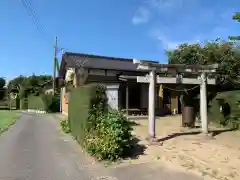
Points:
(7, 118)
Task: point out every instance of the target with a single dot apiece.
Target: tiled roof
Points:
(98, 62)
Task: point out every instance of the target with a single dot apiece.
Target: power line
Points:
(27, 4)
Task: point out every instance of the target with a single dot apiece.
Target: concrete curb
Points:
(36, 111)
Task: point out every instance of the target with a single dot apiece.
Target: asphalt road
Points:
(35, 149)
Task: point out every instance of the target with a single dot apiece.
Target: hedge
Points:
(46, 102)
(35, 102)
(229, 114)
(104, 133)
(51, 102)
(78, 106)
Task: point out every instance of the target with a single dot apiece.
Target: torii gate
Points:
(202, 80)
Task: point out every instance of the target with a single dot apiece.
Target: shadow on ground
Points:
(137, 149)
(4, 108)
(133, 123)
(220, 131)
(213, 133)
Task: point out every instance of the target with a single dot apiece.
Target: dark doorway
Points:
(167, 101)
(134, 95)
(134, 90)
(122, 95)
(179, 105)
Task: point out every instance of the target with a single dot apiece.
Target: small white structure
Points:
(112, 95)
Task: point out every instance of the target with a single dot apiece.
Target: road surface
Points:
(35, 149)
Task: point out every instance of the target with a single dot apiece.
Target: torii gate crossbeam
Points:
(152, 80)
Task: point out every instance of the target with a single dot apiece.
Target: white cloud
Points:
(165, 5)
(142, 15)
(150, 7)
(174, 22)
(167, 43)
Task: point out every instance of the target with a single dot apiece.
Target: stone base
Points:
(154, 141)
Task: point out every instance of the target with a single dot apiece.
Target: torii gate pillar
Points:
(151, 104)
(203, 103)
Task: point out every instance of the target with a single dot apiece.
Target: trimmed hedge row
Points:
(35, 102)
(104, 133)
(47, 102)
(225, 109)
(78, 106)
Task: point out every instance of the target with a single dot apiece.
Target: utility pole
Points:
(54, 66)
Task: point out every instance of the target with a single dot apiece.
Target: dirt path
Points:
(217, 158)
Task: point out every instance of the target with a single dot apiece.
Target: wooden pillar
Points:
(160, 95)
(151, 105)
(60, 100)
(75, 78)
(174, 102)
(127, 100)
(203, 103)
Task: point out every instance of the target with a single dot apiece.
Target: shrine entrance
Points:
(195, 75)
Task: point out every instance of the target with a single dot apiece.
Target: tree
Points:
(235, 17)
(2, 82)
(2, 88)
(226, 54)
(33, 84)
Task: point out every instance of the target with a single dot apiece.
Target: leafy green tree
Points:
(2, 82)
(235, 17)
(226, 54)
(33, 84)
(2, 88)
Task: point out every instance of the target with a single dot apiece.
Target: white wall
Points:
(112, 95)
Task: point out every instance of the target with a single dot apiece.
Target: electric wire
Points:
(28, 6)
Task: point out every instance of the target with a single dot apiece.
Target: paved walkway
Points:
(35, 149)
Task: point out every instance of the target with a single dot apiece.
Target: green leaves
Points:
(51, 102)
(2, 82)
(105, 134)
(235, 17)
(226, 54)
(65, 126)
(111, 139)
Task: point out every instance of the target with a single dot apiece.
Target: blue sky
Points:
(140, 29)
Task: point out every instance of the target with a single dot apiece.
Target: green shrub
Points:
(230, 114)
(78, 112)
(83, 104)
(98, 104)
(35, 102)
(51, 102)
(105, 135)
(65, 126)
(111, 139)
(24, 103)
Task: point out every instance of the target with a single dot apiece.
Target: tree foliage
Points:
(2, 88)
(2, 82)
(235, 17)
(226, 54)
(32, 84)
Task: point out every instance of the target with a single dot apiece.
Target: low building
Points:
(123, 93)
